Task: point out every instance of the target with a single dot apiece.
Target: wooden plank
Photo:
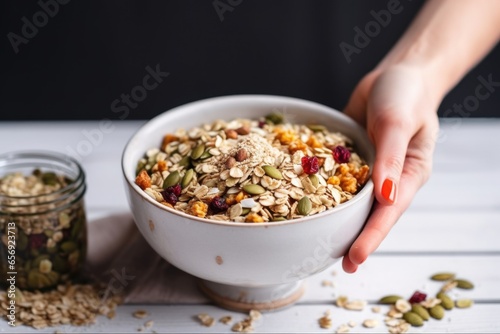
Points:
(481, 318)
(445, 231)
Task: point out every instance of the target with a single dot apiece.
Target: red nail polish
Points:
(389, 190)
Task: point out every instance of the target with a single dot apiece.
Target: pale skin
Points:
(397, 103)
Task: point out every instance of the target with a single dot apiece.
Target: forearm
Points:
(447, 38)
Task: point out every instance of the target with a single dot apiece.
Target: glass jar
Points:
(42, 219)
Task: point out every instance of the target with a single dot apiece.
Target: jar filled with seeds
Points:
(42, 219)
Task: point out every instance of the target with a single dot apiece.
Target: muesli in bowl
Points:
(260, 170)
(259, 264)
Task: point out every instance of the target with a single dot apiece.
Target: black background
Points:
(90, 53)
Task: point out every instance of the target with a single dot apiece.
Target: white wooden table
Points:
(452, 225)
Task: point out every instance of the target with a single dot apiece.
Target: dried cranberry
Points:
(341, 154)
(417, 297)
(169, 197)
(218, 204)
(37, 241)
(310, 165)
(261, 124)
(176, 190)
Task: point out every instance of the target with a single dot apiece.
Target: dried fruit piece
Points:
(437, 312)
(443, 276)
(310, 165)
(464, 284)
(176, 190)
(390, 299)
(341, 154)
(143, 180)
(417, 297)
(446, 301)
(170, 198)
(218, 204)
(413, 319)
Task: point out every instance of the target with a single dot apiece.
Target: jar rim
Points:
(48, 156)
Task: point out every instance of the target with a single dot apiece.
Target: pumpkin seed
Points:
(390, 299)
(446, 301)
(188, 177)
(421, 311)
(275, 118)
(304, 206)
(205, 155)
(254, 189)
(314, 180)
(245, 211)
(464, 284)
(171, 180)
(68, 246)
(197, 152)
(49, 179)
(464, 303)
(278, 219)
(317, 127)
(184, 162)
(437, 312)
(413, 319)
(442, 276)
(272, 172)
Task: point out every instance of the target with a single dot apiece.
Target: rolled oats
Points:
(263, 160)
(74, 304)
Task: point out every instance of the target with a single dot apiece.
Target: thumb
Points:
(391, 138)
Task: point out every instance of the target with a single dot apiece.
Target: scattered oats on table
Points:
(325, 321)
(70, 304)
(140, 314)
(208, 171)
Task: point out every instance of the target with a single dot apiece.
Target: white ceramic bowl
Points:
(247, 265)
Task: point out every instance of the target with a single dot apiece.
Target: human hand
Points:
(398, 109)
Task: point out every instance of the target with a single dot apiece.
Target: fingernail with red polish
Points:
(389, 191)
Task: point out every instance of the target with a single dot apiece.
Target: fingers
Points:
(391, 138)
(384, 217)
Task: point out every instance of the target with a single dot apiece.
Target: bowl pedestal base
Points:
(239, 298)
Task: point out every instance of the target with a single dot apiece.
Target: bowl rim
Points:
(367, 189)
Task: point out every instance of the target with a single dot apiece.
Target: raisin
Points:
(176, 190)
(218, 204)
(169, 197)
(417, 297)
(310, 165)
(341, 154)
(37, 241)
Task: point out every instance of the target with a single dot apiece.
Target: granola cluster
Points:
(252, 170)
